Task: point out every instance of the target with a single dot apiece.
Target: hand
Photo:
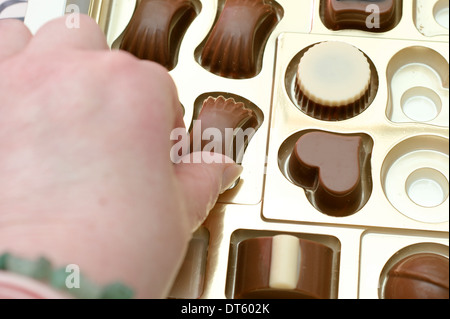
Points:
(85, 172)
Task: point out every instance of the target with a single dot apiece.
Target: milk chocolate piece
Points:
(157, 28)
(191, 276)
(420, 276)
(333, 81)
(331, 168)
(372, 16)
(283, 266)
(235, 46)
(223, 126)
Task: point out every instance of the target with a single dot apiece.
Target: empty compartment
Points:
(414, 176)
(431, 17)
(418, 87)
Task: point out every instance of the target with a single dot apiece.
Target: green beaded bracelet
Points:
(41, 270)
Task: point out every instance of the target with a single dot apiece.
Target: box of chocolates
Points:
(344, 107)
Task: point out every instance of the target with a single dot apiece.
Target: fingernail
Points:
(229, 177)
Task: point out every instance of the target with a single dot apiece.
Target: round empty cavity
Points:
(440, 13)
(421, 104)
(415, 178)
(427, 187)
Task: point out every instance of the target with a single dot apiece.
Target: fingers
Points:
(70, 32)
(14, 37)
(81, 33)
(175, 109)
(157, 99)
(155, 72)
(202, 182)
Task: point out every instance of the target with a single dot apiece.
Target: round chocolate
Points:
(283, 266)
(419, 276)
(333, 81)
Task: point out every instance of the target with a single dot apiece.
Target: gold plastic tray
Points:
(411, 61)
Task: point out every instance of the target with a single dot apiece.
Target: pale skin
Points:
(85, 172)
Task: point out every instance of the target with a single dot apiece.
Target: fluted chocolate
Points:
(223, 126)
(372, 16)
(420, 276)
(157, 28)
(283, 266)
(235, 46)
(333, 81)
(331, 168)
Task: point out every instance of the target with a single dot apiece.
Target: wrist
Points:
(15, 286)
(23, 278)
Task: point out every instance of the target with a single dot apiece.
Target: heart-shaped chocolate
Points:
(332, 169)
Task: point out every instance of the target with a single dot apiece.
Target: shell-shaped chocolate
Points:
(223, 126)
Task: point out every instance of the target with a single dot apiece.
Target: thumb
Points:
(203, 176)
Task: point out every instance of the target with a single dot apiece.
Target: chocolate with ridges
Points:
(223, 126)
(157, 28)
(236, 44)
